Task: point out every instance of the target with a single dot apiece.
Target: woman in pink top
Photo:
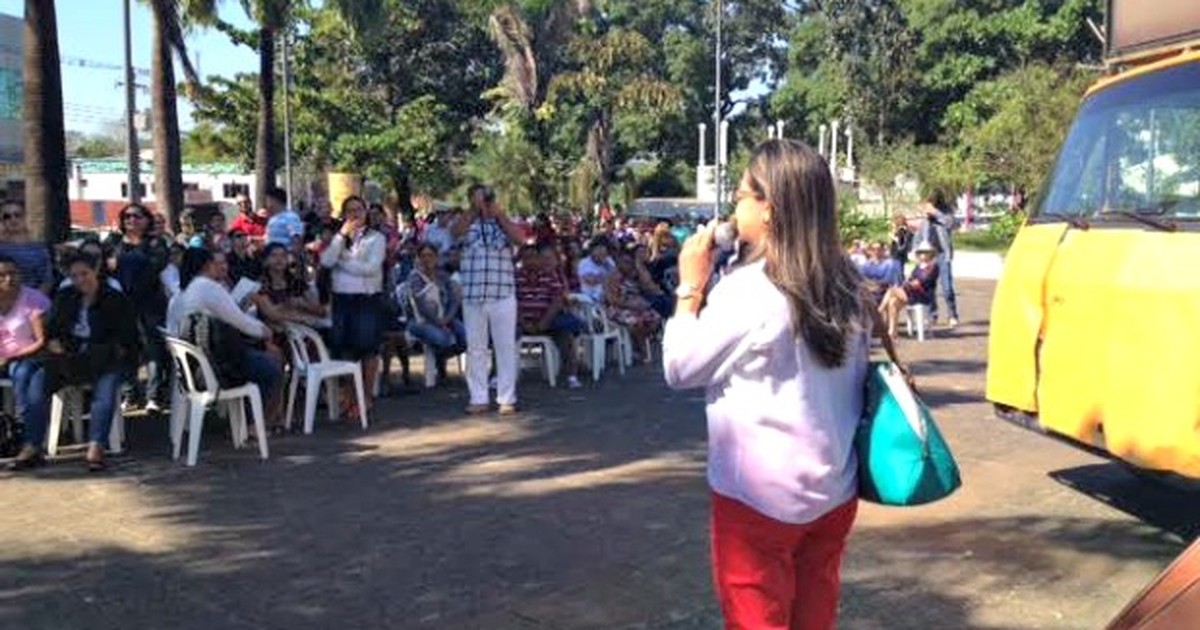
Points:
(781, 346)
(22, 335)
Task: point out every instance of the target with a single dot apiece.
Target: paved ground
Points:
(586, 512)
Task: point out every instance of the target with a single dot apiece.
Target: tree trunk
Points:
(46, 203)
(264, 149)
(168, 160)
(600, 151)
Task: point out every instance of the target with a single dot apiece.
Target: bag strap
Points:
(1167, 588)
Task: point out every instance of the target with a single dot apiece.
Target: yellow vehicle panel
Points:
(1017, 311)
(1119, 339)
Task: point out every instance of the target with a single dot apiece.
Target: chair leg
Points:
(312, 389)
(293, 389)
(554, 364)
(362, 401)
(237, 422)
(180, 413)
(52, 434)
(332, 400)
(116, 433)
(430, 367)
(260, 422)
(195, 429)
(598, 358)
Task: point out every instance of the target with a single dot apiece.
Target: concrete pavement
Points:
(588, 510)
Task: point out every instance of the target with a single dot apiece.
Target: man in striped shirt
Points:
(542, 305)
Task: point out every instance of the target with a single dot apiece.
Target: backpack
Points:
(222, 344)
(12, 435)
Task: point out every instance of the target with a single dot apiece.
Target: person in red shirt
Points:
(542, 305)
(252, 224)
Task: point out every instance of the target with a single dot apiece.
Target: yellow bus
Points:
(1095, 326)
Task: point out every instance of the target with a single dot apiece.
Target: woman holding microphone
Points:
(781, 345)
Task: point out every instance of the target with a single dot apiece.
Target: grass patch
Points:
(982, 241)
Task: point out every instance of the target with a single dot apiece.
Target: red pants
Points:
(777, 576)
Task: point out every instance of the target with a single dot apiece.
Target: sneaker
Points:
(508, 410)
(153, 407)
(953, 322)
(130, 406)
(474, 410)
(573, 382)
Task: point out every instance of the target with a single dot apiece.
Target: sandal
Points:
(28, 459)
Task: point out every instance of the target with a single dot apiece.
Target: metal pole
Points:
(132, 160)
(287, 119)
(717, 116)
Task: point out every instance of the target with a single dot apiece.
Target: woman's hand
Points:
(696, 259)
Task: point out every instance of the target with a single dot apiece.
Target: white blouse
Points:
(207, 296)
(780, 425)
(358, 265)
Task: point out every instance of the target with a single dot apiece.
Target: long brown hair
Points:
(802, 248)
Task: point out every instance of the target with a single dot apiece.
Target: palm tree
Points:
(46, 201)
(168, 161)
(273, 17)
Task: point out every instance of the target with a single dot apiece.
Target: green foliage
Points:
(1010, 128)
(408, 147)
(854, 225)
(513, 165)
(997, 237)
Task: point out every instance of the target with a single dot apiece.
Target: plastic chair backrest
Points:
(185, 354)
(595, 319)
(305, 342)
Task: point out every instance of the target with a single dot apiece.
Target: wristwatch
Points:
(686, 291)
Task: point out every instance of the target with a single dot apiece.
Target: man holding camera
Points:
(489, 298)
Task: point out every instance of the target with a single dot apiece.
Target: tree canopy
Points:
(558, 101)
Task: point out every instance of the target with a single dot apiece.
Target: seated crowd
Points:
(455, 282)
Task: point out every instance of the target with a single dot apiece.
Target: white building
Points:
(107, 180)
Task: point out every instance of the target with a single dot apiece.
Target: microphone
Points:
(725, 236)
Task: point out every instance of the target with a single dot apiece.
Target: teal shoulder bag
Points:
(902, 457)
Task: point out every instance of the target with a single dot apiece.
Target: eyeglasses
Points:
(134, 215)
(11, 216)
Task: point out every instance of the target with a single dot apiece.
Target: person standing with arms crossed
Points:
(489, 298)
(781, 345)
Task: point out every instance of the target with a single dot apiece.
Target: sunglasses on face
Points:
(10, 216)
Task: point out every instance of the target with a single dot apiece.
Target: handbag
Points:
(903, 459)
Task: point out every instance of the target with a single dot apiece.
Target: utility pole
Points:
(287, 118)
(132, 159)
(718, 167)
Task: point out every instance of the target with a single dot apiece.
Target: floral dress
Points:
(625, 305)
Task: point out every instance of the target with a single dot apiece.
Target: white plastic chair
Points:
(430, 358)
(600, 333)
(311, 362)
(67, 405)
(916, 316)
(551, 362)
(195, 396)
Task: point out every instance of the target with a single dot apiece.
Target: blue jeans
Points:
(946, 284)
(264, 370)
(105, 392)
(567, 323)
(439, 338)
(29, 394)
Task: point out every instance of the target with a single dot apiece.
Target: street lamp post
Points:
(133, 161)
(718, 123)
(287, 119)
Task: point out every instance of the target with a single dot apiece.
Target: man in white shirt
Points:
(489, 298)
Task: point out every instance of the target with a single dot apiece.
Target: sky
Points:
(92, 30)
